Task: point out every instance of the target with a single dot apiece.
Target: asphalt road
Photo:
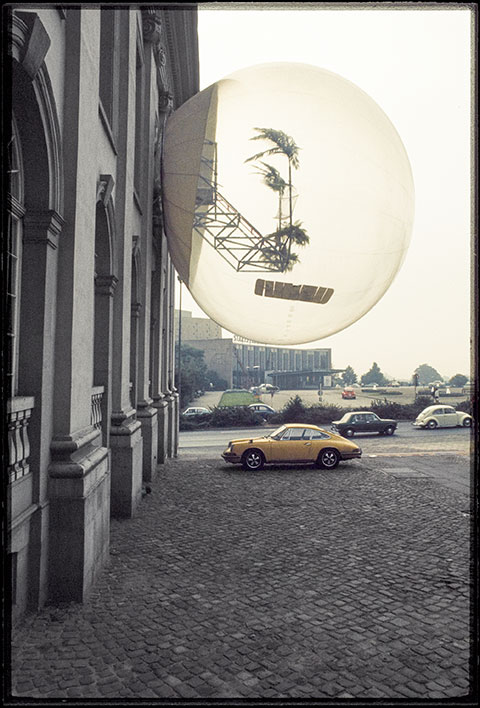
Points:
(443, 454)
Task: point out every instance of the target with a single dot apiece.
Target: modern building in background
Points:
(92, 407)
(196, 327)
(243, 364)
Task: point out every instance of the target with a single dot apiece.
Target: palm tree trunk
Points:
(290, 203)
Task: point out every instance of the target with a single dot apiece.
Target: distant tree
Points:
(218, 384)
(349, 377)
(193, 372)
(458, 380)
(427, 374)
(374, 376)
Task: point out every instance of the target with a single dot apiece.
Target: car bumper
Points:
(354, 454)
(418, 425)
(231, 457)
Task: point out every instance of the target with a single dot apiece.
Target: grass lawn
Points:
(237, 398)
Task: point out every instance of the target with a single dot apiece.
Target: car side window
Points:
(285, 435)
(296, 433)
(307, 433)
(318, 435)
(450, 410)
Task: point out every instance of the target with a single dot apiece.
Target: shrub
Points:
(465, 406)
(195, 422)
(294, 411)
(232, 416)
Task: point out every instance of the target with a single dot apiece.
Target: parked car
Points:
(198, 410)
(262, 408)
(363, 422)
(348, 393)
(442, 417)
(294, 442)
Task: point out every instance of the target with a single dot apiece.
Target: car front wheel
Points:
(389, 430)
(467, 423)
(348, 433)
(431, 424)
(253, 460)
(328, 459)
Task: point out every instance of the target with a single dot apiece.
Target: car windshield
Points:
(345, 418)
(278, 432)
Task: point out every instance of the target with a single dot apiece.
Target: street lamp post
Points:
(179, 353)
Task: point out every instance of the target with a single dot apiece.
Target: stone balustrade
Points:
(19, 411)
(96, 410)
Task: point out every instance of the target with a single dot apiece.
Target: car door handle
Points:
(307, 443)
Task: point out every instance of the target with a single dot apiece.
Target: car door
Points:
(292, 447)
(359, 423)
(371, 423)
(449, 417)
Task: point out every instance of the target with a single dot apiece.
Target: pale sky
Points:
(416, 64)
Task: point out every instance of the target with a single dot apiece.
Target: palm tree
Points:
(273, 179)
(283, 144)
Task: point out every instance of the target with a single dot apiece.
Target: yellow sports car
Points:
(294, 442)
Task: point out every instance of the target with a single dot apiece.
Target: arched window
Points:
(15, 213)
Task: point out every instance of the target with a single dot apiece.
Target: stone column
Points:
(175, 405)
(125, 433)
(146, 412)
(40, 250)
(79, 483)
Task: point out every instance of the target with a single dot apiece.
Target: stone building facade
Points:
(92, 408)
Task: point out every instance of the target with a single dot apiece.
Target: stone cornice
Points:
(180, 26)
(30, 41)
(136, 308)
(105, 284)
(42, 227)
(105, 186)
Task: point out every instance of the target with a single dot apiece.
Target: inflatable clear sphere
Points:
(288, 202)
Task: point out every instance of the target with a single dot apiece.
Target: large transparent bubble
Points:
(288, 202)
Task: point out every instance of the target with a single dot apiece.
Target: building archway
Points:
(105, 280)
(36, 223)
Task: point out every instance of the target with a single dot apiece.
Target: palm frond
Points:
(283, 142)
(272, 177)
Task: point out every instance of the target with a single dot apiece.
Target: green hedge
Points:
(295, 411)
(220, 417)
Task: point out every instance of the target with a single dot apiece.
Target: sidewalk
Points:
(288, 583)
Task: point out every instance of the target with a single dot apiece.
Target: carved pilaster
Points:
(151, 25)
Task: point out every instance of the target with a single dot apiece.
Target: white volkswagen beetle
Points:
(442, 417)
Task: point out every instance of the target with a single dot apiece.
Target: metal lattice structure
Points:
(224, 228)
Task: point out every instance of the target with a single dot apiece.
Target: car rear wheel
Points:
(328, 459)
(389, 430)
(432, 424)
(253, 460)
(349, 433)
(467, 423)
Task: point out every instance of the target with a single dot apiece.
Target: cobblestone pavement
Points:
(289, 583)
